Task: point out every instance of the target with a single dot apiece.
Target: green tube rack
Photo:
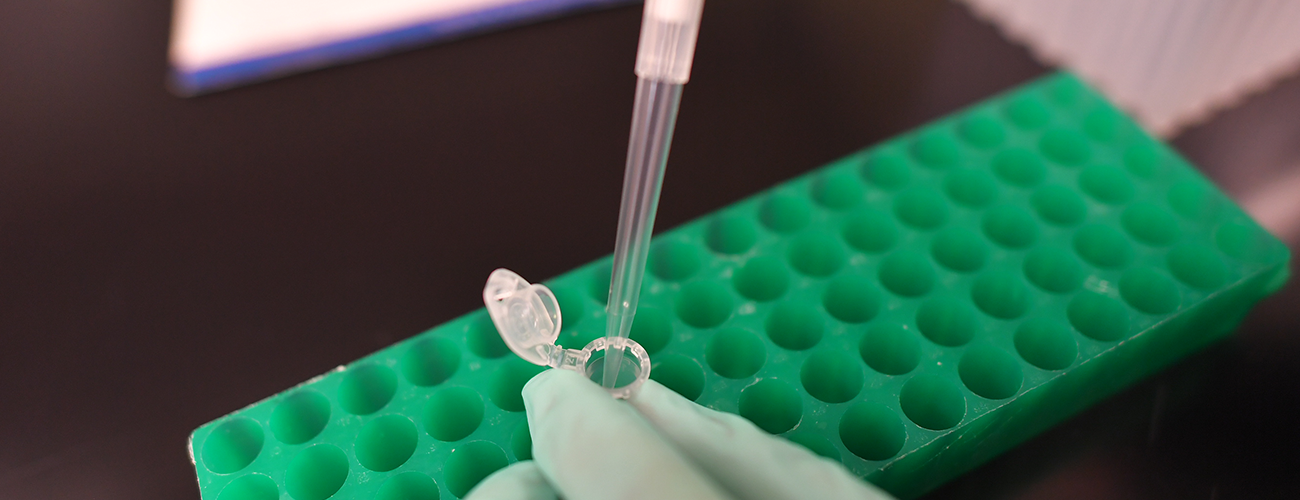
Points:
(911, 310)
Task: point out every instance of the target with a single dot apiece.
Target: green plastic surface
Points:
(911, 311)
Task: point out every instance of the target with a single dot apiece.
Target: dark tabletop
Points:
(165, 261)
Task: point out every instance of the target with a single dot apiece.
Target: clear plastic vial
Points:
(528, 318)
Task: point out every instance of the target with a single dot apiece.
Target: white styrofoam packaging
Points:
(1170, 63)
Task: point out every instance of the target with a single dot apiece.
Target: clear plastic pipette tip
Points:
(669, 29)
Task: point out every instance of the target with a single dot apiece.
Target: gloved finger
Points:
(520, 481)
(744, 459)
(591, 446)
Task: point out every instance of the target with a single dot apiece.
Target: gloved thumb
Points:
(591, 446)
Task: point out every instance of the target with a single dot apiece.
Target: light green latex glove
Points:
(656, 445)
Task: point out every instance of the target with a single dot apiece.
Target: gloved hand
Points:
(656, 445)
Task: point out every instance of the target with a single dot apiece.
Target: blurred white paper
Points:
(217, 44)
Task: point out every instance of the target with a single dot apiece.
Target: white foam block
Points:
(1170, 63)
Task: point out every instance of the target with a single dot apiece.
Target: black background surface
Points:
(164, 261)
